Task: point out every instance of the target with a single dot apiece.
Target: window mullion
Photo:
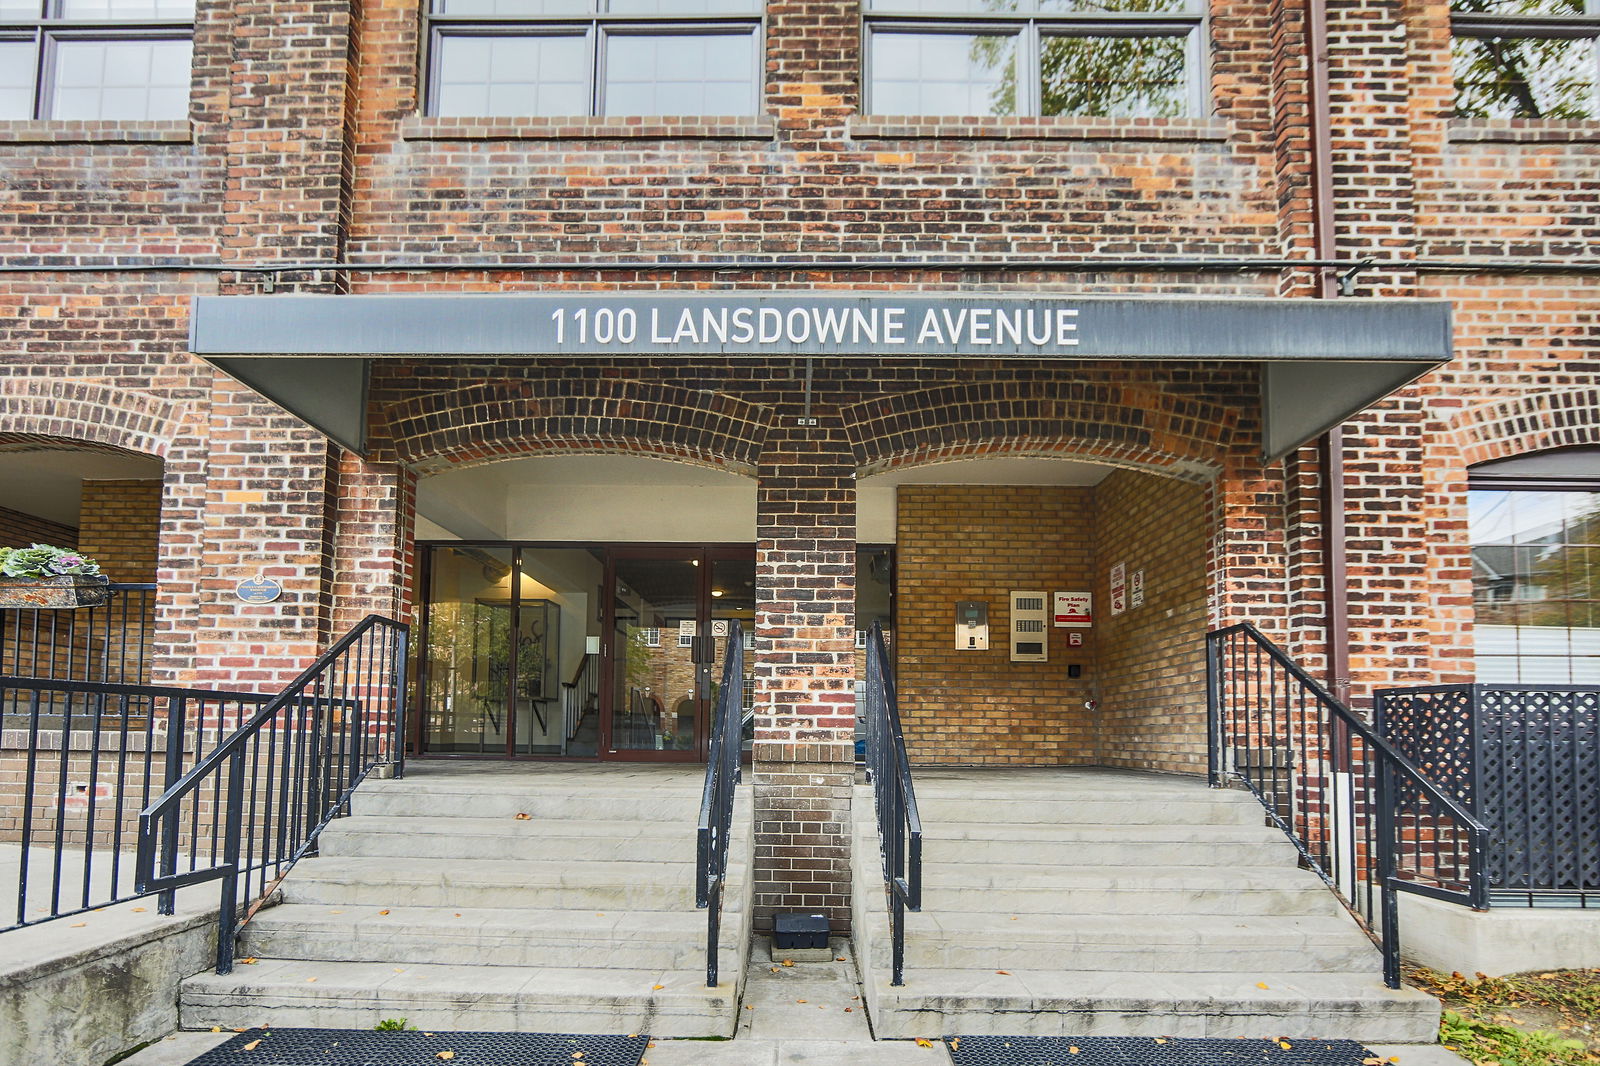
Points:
(1031, 56)
(597, 73)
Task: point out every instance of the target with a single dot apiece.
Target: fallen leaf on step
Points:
(924, 1042)
(847, 1010)
(839, 958)
(458, 915)
(632, 1036)
(445, 1055)
(650, 1045)
(657, 988)
(774, 969)
(787, 962)
(310, 979)
(1006, 972)
(522, 817)
(1261, 984)
(383, 912)
(749, 1006)
(954, 1044)
(399, 969)
(140, 910)
(79, 925)
(251, 1046)
(251, 961)
(1372, 1062)
(216, 1028)
(799, 1001)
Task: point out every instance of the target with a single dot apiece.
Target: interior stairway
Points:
(438, 902)
(1111, 903)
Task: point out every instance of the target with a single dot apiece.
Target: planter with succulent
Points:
(44, 576)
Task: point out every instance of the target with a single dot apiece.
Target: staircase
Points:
(1102, 902)
(438, 902)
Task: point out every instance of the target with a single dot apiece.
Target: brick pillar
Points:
(371, 557)
(804, 759)
(1247, 559)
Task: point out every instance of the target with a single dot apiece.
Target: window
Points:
(1526, 58)
(1113, 58)
(558, 58)
(95, 59)
(1535, 529)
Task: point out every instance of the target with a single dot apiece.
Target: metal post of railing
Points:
(1214, 710)
(1390, 923)
(227, 914)
(398, 700)
(177, 717)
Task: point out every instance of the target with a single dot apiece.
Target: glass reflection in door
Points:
(468, 667)
(655, 645)
(733, 602)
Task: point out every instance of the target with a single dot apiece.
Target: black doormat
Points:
(367, 1047)
(1151, 1051)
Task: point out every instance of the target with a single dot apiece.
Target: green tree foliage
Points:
(1515, 75)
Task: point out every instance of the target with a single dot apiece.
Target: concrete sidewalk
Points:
(808, 1014)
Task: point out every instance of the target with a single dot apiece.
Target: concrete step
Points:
(358, 995)
(507, 838)
(1202, 807)
(388, 882)
(1295, 1005)
(1206, 893)
(1153, 943)
(572, 939)
(420, 797)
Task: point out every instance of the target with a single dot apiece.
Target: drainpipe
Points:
(1331, 447)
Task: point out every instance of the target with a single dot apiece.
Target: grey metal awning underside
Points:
(1321, 360)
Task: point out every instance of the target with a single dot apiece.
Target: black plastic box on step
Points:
(794, 931)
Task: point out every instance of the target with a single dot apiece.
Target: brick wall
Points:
(19, 529)
(961, 542)
(1151, 670)
(120, 526)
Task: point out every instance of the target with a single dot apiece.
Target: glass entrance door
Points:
(669, 613)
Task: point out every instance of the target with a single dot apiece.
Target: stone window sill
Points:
(86, 131)
(706, 128)
(1522, 130)
(1051, 128)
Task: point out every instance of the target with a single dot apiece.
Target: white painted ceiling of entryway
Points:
(47, 482)
(635, 498)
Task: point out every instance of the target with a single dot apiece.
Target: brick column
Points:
(371, 557)
(804, 759)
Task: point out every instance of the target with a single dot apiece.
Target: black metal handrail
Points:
(269, 788)
(899, 824)
(94, 755)
(1525, 760)
(580, 697)
(109, 642)
(716, 798)
(1363, 817)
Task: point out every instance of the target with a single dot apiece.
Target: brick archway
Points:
(87, 414)
(508, 419)
(1534, 422)
(1117, 425)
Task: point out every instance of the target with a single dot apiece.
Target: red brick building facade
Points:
(309, 163)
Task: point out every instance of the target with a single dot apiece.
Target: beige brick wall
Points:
(119, 525)
(1152, 712)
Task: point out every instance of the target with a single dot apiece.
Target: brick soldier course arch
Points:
(1112, 424)
(497, 420)
(1534, 422)
(87, 412)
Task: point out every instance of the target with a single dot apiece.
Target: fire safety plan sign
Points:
(1074, 610)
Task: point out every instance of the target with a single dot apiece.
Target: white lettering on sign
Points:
(1042, 328)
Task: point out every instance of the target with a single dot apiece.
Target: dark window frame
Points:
(48, 29)
(1032, 28)
(594, 27)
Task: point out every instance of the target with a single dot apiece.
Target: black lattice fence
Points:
(1525, 759)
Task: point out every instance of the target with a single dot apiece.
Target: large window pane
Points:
(16, 79)
(1526, 77)
(1517, 7)
(127, 79)
(684, 7)
(944, 74)
(500, 76)
(1534, 585)
(680, 74)
(127, 10)
(21, 9)
(513, 8)
(1119, 77)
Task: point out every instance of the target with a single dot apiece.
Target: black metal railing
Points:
(1361, 814)
(255, 804)
(580, 698)
(716, 799)
(110, 642)
(91, 755)
(899, 825)
(1525, 760)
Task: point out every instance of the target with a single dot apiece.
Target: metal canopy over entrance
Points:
(1321, 360)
